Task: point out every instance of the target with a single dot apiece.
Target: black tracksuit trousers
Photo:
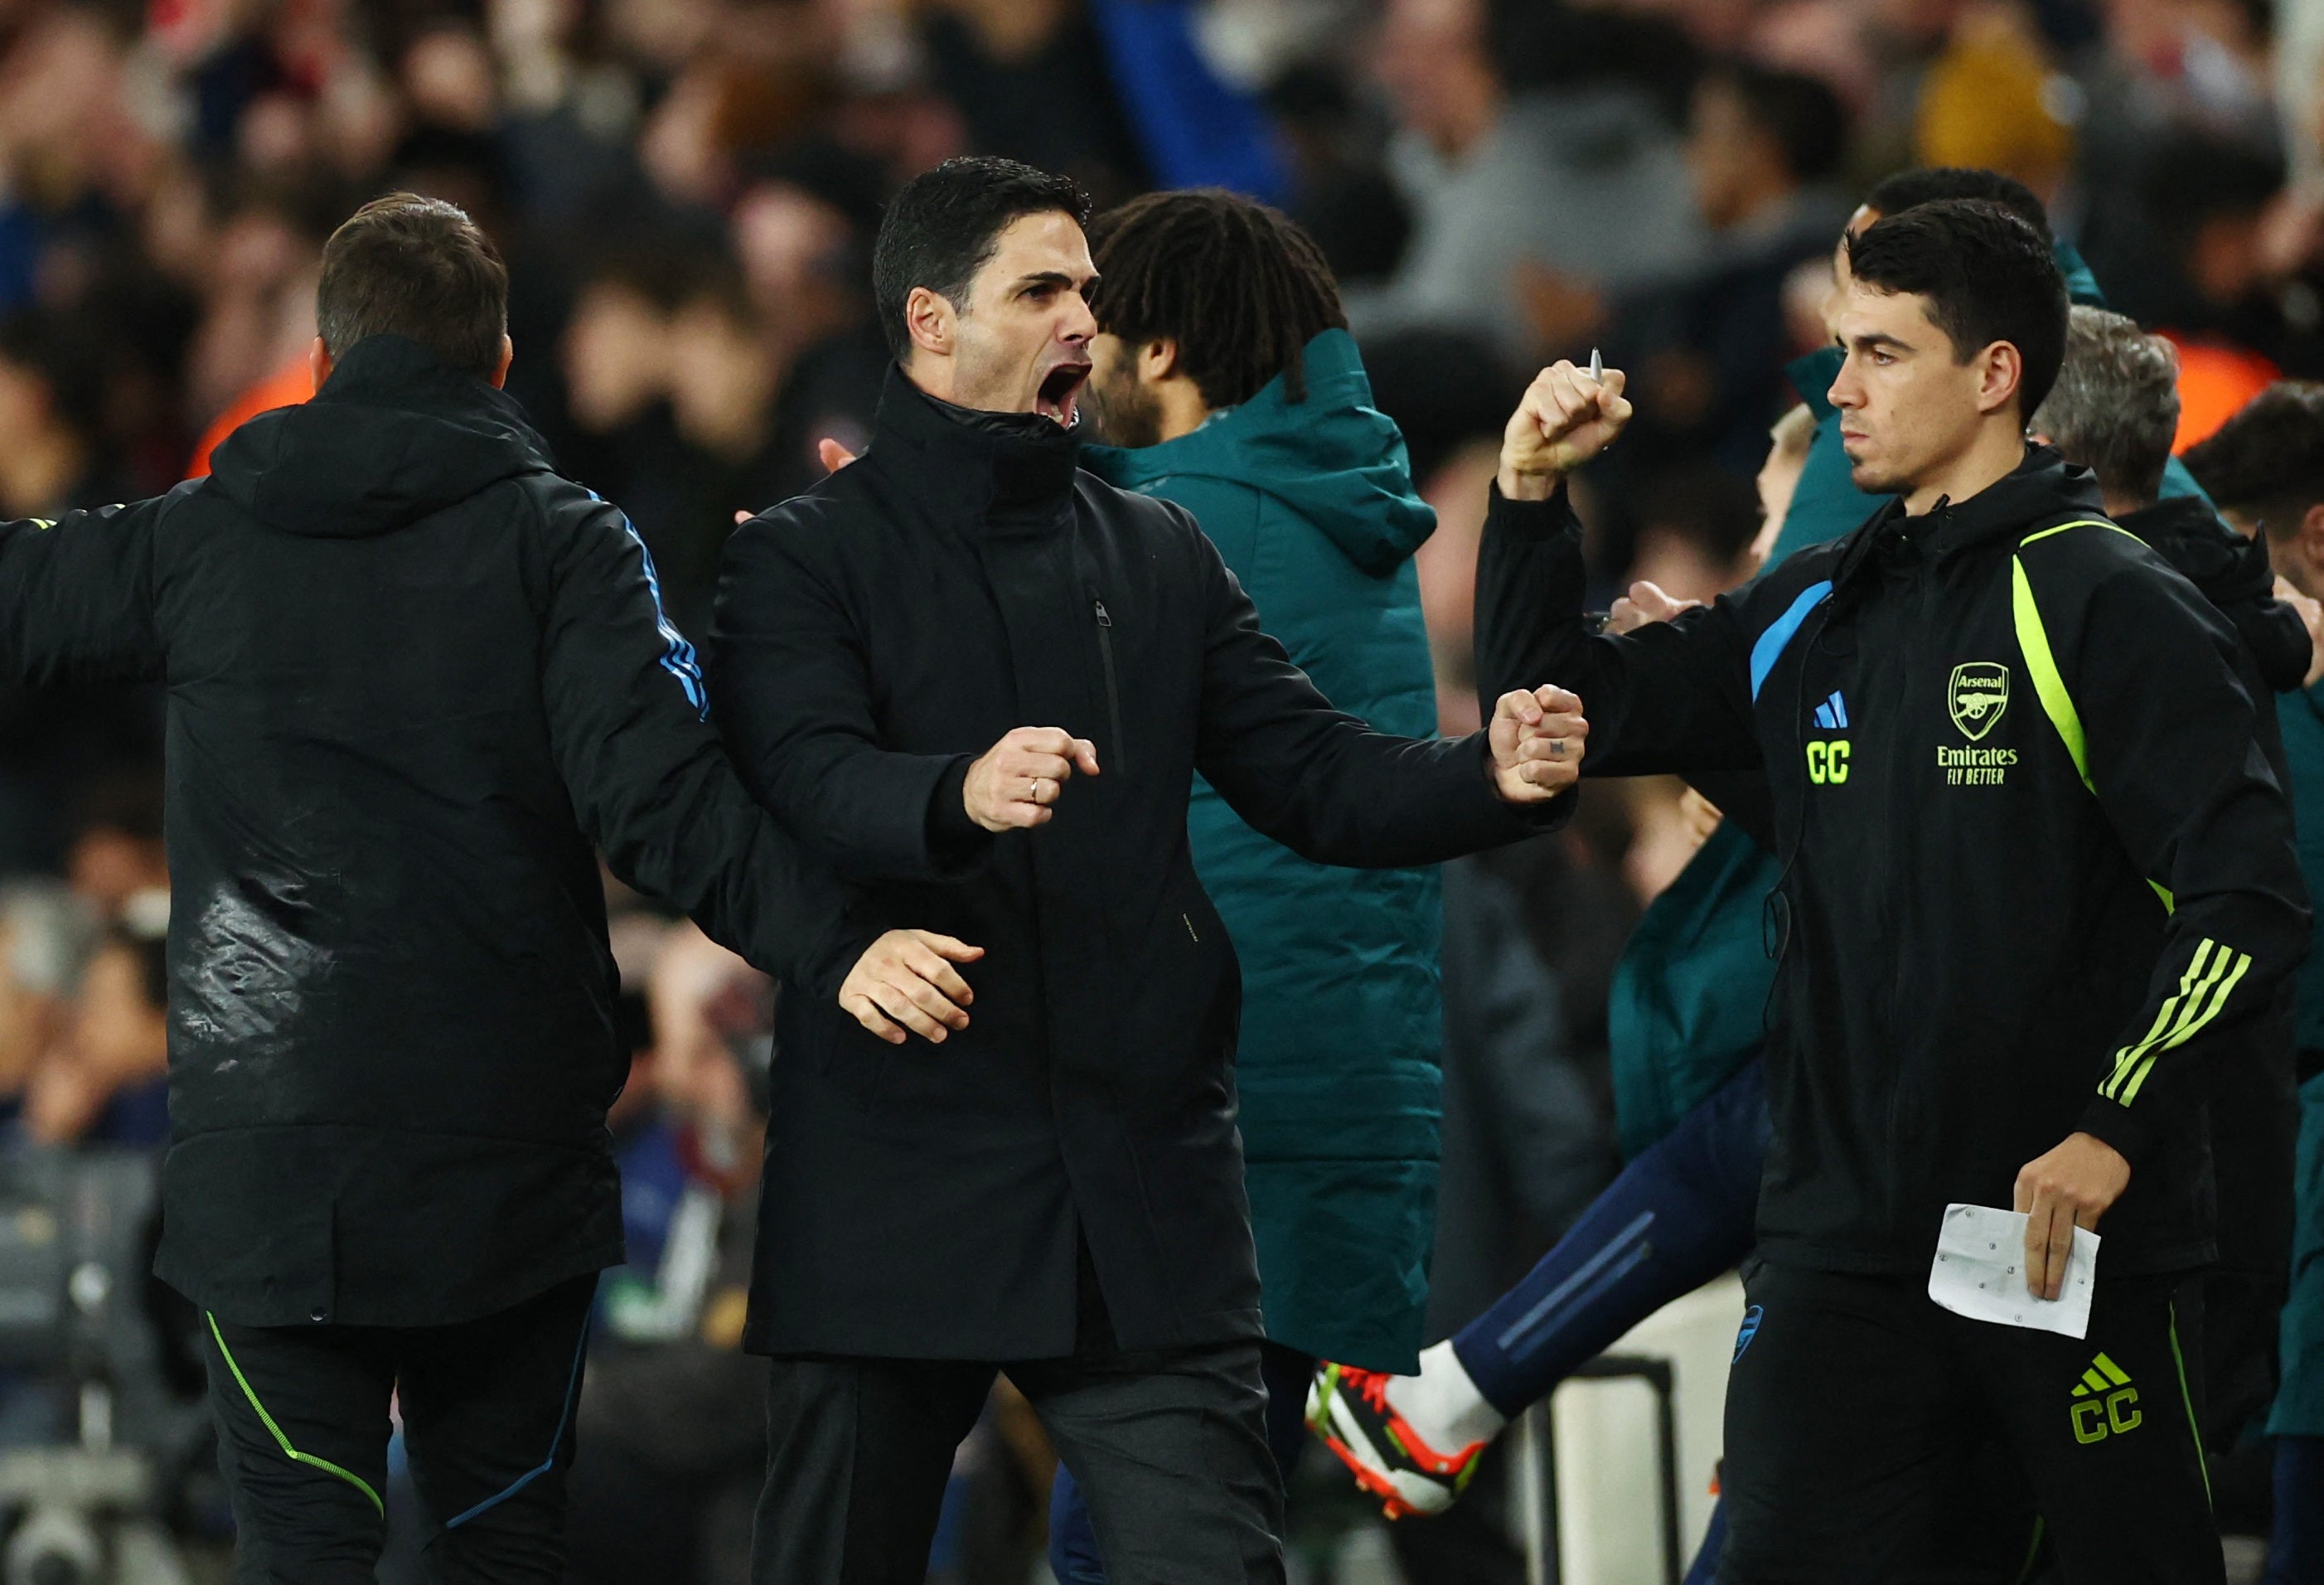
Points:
(1855, 1403)
(487, 1412)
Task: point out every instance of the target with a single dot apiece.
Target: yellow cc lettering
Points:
(1827, 762)
(2095, 1421)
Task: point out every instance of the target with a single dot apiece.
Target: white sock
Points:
(1443, 1404)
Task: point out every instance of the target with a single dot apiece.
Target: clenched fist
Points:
(1537, 740)
(1012, 784)
(906, 980)
(1565, 419)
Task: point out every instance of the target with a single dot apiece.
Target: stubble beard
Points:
(1119, 413)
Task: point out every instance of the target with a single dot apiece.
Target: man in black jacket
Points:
(412, 675)
(1058, 1189)
(2114, 410)
(2037, 871)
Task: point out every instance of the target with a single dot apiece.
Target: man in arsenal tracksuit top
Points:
(2036, 871)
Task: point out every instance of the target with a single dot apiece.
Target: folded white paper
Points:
(1980, 1272)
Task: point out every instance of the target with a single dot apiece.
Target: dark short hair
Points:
(2267, 461)
(1799, 112)
(1988, 277)
(1240, 288)
(946, 223)
(418, 268)
(2115, 408)
(1928, 184)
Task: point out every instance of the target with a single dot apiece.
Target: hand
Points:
(2070, 1187)
(1537, 739)
(1012, 785)
(906, 980)
(1646, 603)
(2311, 617)
(830, 453)
(1700, 816)
(1565, 419)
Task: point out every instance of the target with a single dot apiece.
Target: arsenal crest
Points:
(1977, 696)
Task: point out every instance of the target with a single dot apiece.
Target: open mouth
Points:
(1060, 388)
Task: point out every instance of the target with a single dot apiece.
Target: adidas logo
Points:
(2106, 1404)
(2102, 1376)
(1833, 713)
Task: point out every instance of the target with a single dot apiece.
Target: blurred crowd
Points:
(686, 191)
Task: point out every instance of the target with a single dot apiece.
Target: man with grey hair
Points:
(2114, 410)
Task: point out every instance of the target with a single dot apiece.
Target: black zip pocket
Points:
(1116, 759)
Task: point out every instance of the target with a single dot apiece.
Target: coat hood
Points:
(1334, 459)
(394, 436)
(2233, 574)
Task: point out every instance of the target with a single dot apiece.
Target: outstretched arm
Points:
(76, 595)
(1332, 789)
(653, 786)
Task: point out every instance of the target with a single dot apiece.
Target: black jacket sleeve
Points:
(76, 596)
(649, 782)
(1670, 697)
(793, 692)
(1320, 781)
(2173, 758)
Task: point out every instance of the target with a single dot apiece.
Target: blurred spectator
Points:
(1024, 75)
(52, 740)
(117, 865)
(1696, 534)
(1764, 149)
(1339, 193)
(52, 409)
(672, 1444)
(1578, 176)
(107, 1080)
(44, 936)
(1990, 101)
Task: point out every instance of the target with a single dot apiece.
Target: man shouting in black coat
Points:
(1057, 1189)
(412, 674)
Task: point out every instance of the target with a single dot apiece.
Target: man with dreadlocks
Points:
(1225, 379)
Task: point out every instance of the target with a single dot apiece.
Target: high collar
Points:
(2041, 490)
(995, 470)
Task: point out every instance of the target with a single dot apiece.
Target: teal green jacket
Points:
(1689, 994)
(2300, 1397)
(1311, 505)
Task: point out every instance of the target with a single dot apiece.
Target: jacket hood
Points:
(1334, 459)
(394, 434)
(2233, 574)
(2189, 535)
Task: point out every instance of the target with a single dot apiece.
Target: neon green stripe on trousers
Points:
(280, 1440)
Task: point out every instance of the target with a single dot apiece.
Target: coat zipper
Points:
(1119, 765)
